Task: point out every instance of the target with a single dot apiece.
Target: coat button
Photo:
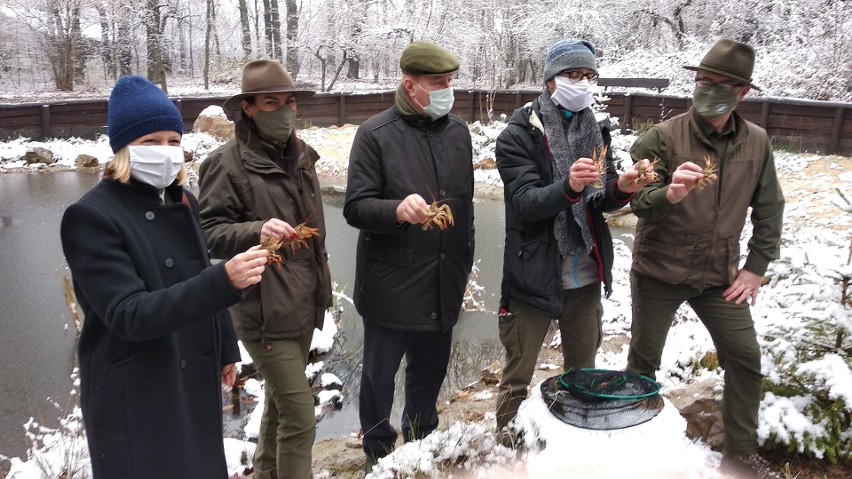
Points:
(312, 195)
(434, 315)
(149, 215)
(443, 256)
(442, 193)
(183, 363)
(169, 262)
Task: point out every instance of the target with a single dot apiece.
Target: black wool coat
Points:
(156, 333)
(406, 278)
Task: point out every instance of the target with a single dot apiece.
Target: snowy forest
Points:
(804, 48)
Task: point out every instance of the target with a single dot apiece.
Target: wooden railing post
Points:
(836, 129)
(627, 122)
(45, 122)
(341, 113)
(764, 115)
(471, 106)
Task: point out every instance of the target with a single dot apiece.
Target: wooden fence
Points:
(803, 124)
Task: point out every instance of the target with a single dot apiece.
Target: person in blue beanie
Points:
(558, 249)
(157, 340)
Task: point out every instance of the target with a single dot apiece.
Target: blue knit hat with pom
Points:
(570, 54)
(136, 108)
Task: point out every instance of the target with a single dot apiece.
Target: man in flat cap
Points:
(714, 166)
(412, 266)
(258, 187)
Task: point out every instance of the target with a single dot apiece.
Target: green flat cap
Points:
(427, 58)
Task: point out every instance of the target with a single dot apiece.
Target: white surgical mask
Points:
(440, 102)
(157, 165)
(572, 96)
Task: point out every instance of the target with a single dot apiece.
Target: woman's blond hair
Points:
(118, 169)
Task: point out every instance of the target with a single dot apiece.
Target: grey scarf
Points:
(580, 139)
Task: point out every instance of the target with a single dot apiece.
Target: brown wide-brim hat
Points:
(730, 58)
(265, 76)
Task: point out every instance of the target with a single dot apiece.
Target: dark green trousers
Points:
(288, 424)
(522, 332)
(732, 329)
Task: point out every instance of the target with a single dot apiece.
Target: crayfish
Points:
(652, 177)
(440, 216)
(709, 172)
(600, 166)
(272, 244)
(303, 233)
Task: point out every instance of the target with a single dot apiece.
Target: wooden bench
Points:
(658, 83)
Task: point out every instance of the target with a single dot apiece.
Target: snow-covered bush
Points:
(807, 406)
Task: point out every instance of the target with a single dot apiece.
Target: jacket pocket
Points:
(388, 254)
(664, 261)
(530, 267)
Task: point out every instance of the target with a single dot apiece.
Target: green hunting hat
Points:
(730, 58)
(427, 58)
(265, 76)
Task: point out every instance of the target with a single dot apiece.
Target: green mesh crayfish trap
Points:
(602, 399)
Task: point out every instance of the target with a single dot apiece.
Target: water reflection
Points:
(37, 339)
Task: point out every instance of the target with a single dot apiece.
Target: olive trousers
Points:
(522, 331)
(732, 329)
(288, 424)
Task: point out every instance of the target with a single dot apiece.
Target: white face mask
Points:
(157, 165)
(440, 102)
(572, 96)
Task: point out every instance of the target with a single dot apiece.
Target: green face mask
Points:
(713, 101)
(275, 125)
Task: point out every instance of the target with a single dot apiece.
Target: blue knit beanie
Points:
(136, 108)
(570, 54)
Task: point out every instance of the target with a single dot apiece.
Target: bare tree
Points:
(246, 27)
(154, 36)
(292, 38)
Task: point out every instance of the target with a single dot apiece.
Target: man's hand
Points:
(684, 180)
(413, 209)
(276, 227)
(229, 375)
(582, 173)
(627, 182)
(744, 286)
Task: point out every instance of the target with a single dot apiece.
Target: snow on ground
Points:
(803, 284)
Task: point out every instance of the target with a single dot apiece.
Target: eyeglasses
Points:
(576, 75)
(729, 86)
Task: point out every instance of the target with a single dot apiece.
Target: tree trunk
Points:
(106, 51)
(124, 51)
(267, 28)
(278, 50)
(156, 70)
(244, 23)
(207, 44)
(292, 38)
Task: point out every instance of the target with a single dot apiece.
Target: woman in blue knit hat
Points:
(157, 341)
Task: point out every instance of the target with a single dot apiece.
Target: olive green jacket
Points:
(697, 241)
(243, 184)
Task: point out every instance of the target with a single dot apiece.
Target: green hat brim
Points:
(719, 71)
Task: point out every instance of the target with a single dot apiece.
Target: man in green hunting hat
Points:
(714, 165)
(411, 272)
